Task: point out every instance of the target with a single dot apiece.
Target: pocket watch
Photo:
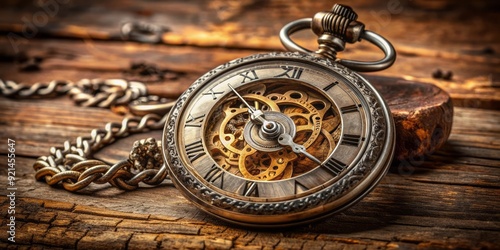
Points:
(283, 138)
(269, 140)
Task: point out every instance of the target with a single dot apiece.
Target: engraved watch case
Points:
(278, 139)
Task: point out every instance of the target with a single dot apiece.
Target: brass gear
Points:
(307, 112)
(236, 117)
(315, 128)
(258, 165)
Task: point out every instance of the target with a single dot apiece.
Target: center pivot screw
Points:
(270, 130)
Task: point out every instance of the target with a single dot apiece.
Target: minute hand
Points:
(255, 114)
(287, 140)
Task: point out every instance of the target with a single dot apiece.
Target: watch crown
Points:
(335, 28)
(345, 11)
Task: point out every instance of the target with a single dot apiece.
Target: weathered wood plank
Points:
(416, 108)
(435, 202)
(422, 115)
(95, 231)
(250, 23)
(473, 85)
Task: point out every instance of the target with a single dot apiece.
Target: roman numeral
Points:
(213, 93)
(300, 188)
(291, 72)
(250, 75)
(195, 150)
(334, 166)
(215, 175)
(351, 140)
(349, 109)
(250, 188)
(194, 121)
(331, 85)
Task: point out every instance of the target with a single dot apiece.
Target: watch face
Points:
(278, 139)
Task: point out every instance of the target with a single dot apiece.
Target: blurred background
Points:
(453, 44)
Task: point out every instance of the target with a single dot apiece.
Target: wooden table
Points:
(449, 199)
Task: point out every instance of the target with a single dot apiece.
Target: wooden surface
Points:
(449, 199)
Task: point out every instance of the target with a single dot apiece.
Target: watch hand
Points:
(287, 140)
(255, 114)
(270, 129)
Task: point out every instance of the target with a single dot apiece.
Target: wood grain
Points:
(74, 60)
(444, 200)
(422, 111)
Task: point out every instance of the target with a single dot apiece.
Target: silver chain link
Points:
(69, 166)
(102, 93)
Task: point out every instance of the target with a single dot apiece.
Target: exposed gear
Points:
(235, 143)
(306, 111)
(258, 165)
(236, 117)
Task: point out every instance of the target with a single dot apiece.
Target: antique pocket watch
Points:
(268, 140)
(283, 138)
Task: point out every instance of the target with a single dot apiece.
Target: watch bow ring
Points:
(283, 138)
(334, 29)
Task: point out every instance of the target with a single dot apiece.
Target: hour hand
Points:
(287, 140)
